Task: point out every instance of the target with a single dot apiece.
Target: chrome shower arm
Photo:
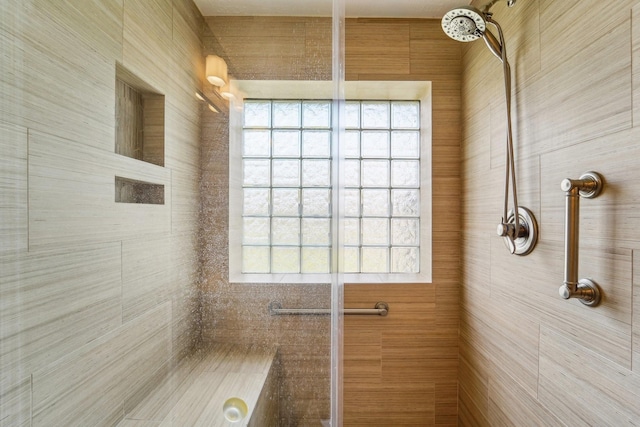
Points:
(490, 4)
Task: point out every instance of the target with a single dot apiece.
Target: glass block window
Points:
(286, 187)
(286, 183)
(382, 187)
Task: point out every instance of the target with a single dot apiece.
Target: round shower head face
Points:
(464, 24)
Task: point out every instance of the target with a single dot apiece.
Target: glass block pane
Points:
(256, 143)
(352, 143)
(316, 260)
(316, 202)
(286, 143)
(375, 115)
(405, 260)
(351, 231)
(285, 231)
(405, 232)
(375, 203)
(351, 203)
(257, 113)
(352, 115)
(405, 173)
(255, 173)
(255, 231)
(375, 231)
(375, 173)
(351, 260)
(405, 202)
(285, 260)
(405, 144)
(375, 260)
(352, 173)
(316, 231)
(286, 173)
(256, 259)
(316, 114)
(316, 173)
(316, 144)
(405, 115)
(375, 144)
(286, 114)
(286, 202)
(256, 201)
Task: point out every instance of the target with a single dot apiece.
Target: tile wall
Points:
(528, 357)
(97, 296)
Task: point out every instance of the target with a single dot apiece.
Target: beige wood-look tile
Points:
(98, 24)
(71, 195)
(515, 344)
(635, 345)
(55, 302)
(146, 278)
(87, 386)
(15, 404)
(538, 278)
(521, 26)
(510, 404)
(187, 31)
(608, 220)
(47, 89)
(177, 377)
(573, 377)
(594, 85)
(378, 46)
(635, 70)
(147, 40)
(13, 188)
(267, 411)
(202, 404)
(474, 387)
(557, 31)
(138, 423)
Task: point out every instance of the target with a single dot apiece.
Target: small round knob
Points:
(566, 184)
(503, 230)
(564, 292)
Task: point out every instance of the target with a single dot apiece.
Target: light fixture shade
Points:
(216, 70)
(228, 91)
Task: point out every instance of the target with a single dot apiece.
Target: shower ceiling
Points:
(354, 8)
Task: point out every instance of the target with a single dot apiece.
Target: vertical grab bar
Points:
(588, 186)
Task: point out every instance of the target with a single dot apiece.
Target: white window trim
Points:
(356, 90)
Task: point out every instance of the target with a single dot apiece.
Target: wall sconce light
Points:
(216, 70)
(201, 96)
(228, 91)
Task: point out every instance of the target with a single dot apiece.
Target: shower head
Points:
(467, 24)
(464, 24)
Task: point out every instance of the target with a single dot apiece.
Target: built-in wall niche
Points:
(139, 118)
(133, 191)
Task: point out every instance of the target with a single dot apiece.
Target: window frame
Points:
(322, 90)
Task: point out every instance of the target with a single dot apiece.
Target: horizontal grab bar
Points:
(275, 308)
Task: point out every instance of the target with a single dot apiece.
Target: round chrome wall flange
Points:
(528, 236)
(589, 292)
(596, 187)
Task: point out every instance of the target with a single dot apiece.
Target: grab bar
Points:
(588, 186)
(275, 308)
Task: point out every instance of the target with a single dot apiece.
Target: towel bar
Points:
(275, 308)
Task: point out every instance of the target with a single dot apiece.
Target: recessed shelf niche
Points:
(133, 191)
(139, 118)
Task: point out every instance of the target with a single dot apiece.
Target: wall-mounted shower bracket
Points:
(522, 242)
(588, 186)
